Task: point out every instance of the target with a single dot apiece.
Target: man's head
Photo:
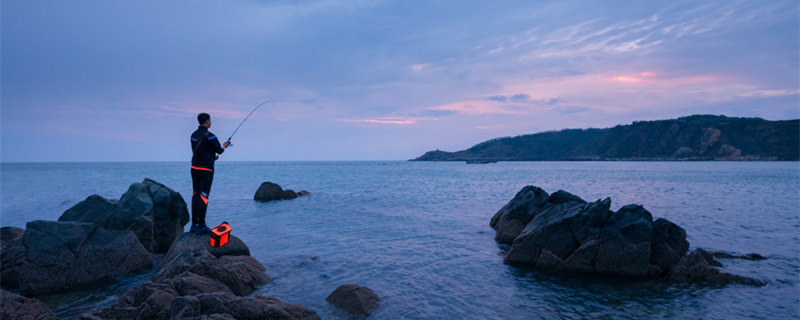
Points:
(204, 119)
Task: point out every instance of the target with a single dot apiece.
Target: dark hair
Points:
(203, 117)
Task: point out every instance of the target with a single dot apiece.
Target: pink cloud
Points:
(390, 120)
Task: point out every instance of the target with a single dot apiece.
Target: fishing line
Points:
(245, 119)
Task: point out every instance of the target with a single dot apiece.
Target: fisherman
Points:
(205, 147)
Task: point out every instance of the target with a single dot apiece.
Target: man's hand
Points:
(216, 157)
(226, 144)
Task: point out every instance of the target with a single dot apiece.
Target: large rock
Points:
(566, 233)
(241, 274)
(190, 241)
(355, 299)
(12, 258)
(16, 307)
(94, 209)
(699, 267)
(226, 306)
(64, 255)
(155, 213)
(515, 215)
(269, 191)
(9, 235)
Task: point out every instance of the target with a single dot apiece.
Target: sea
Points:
(418, 235)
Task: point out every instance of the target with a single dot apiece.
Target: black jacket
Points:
(205, 147)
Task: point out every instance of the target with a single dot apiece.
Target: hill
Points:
(696, 137)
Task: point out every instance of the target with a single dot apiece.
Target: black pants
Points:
(201, 187)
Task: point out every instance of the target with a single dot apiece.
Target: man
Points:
(205, 147)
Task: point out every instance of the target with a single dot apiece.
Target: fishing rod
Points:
(245, 119)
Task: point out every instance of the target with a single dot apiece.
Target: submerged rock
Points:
(155, 213)
(699, 267)
(269, 191)
(563, 232)
(355, 299)
(63, 255)
(17, 307)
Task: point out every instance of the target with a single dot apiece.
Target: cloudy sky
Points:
(375, 80)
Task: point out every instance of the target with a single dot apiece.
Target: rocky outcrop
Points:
(56, 256)
(190, 241)
(355, 299)
(225, 306)
(9, 235)
(241, 274)
(269, 191)
(198, 281)
(155, 213)
(565, 233)
(16, 307)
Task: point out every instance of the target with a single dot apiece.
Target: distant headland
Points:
(695, 137)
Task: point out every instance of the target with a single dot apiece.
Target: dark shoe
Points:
(203, 230)
(194, 228)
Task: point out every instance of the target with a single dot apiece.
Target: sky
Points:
(375, 80)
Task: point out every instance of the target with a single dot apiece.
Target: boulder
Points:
(571, 235)
(241, 274)
(14, 306)
(12, 258)
(190, 241)
(568, 234)
(699, 267)
(269, 191)
(94, 209)
(355, 299)
(65, 255)
(9, 235)
(515, 215)
(227, 306)
(154, 212)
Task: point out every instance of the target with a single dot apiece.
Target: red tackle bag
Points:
(219, 234)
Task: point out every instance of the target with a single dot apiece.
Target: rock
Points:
(515, 215)
(241, 274)
(13, 306)
(269, 191)
(668, 244)
(154, 212)
(94, 209)
(144, 301)
(302, 193)
(189, 284)
(749, 256)
(699, 267)
(12, 258)
(190, 241)
(568, 234)
(65, 255)
(226, 306)
(9, 235)
(355, 299)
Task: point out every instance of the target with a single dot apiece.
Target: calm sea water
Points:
(418, 233)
